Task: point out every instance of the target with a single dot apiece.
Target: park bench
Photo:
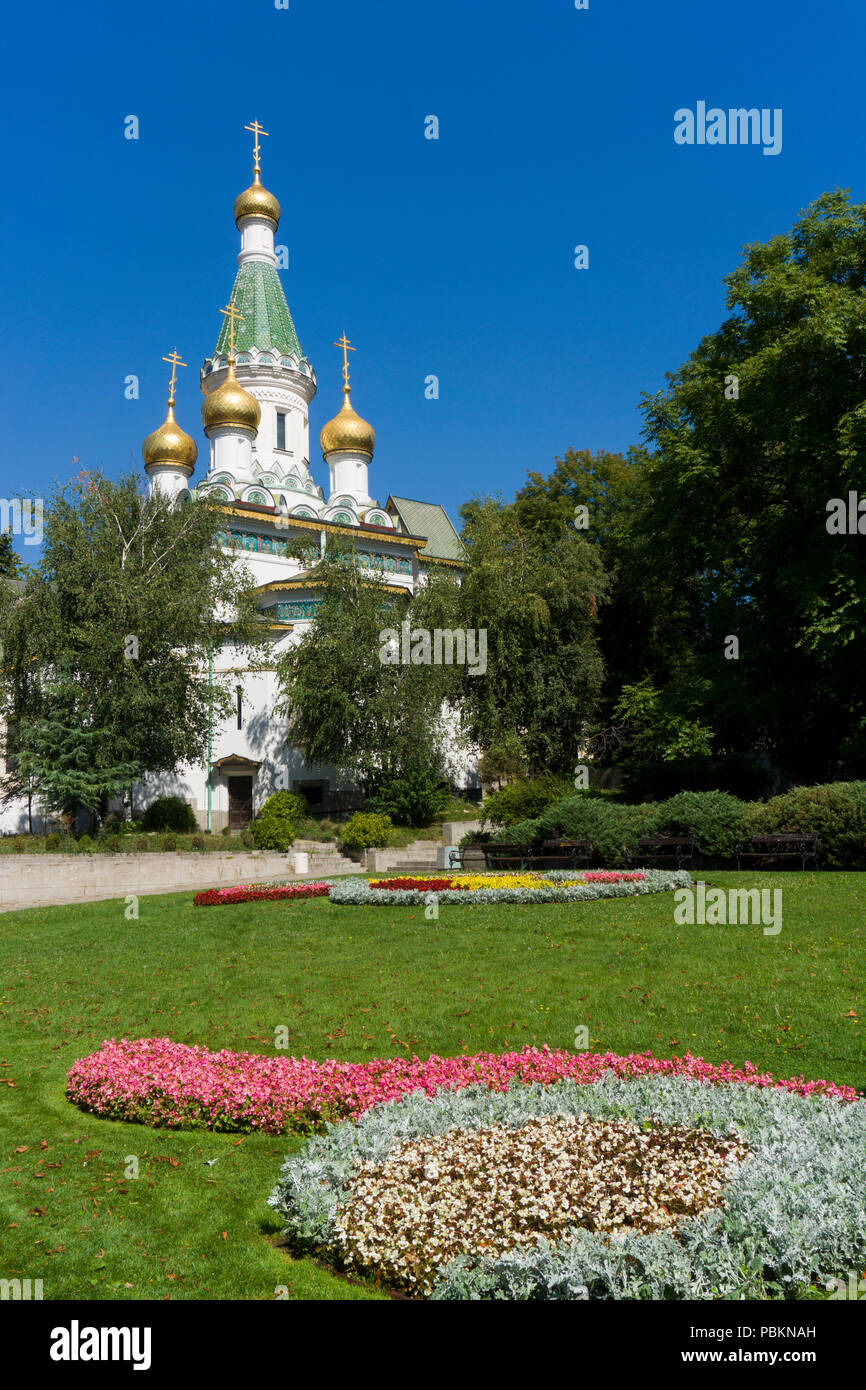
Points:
(469, 856)
(553, 854)
(501, 856)
(668, 851)
(776, 849)
(564, 854)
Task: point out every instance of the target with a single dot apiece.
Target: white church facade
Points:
(258, 389)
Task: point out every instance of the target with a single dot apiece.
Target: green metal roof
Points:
(267, 324)
(430, 520)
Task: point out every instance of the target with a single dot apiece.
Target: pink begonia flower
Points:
(160, 1082)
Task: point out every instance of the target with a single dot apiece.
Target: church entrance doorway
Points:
(240, 802)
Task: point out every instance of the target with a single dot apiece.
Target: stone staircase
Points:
(419, 857)
(325, 860)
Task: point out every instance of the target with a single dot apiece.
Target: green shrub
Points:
(142, 843)
(169, 842)
(524, 799)
(366, 830)
(613, 829)
(717, 819)
(113, 844)
(274, 827)
(226, 830)
(475, 837)
(53, 842)
(198, 842)
(85, 845)
(276, 833)
(415, 797)
(834, 811)
(170, 813)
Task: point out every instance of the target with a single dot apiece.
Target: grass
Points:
(357, 983)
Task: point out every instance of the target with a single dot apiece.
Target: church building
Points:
(258, 389)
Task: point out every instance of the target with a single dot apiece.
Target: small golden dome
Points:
(170, 444)
(256, 201)
(348, 431)
(231, 405)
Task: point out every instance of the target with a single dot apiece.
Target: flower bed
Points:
(554, 886)
(496, 1189)
(467, 882)
(158, 1082)
(651, 1186)
(251, 893)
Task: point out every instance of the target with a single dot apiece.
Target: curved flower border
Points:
(251, 893)
(158, 1082)
(794, 1213)
(356, 892)
(468, 882)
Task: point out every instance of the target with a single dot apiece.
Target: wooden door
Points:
(240, 802)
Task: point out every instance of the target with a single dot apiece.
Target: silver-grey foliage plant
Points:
(794, 1214)
(356, 892)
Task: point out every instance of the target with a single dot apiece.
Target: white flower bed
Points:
(793, 1213)
(356, 892)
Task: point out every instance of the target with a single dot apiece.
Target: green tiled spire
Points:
(267, 323)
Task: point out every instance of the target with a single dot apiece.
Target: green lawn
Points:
(357, 983)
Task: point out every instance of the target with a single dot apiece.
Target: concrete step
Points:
(323, 865)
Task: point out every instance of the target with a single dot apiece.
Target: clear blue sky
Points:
(452, 257)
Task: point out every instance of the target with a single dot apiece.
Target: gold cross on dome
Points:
(174, 359)
(257, 130)
(347, 348)
(231, 314)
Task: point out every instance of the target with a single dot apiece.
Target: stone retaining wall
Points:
(28, 880)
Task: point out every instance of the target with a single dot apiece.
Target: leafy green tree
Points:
(756, 433)
(10, 563)
(64, 765)
(536, 592)
(350, 699)
(128, 599)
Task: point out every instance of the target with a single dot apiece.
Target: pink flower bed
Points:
(250, 893)
(158, 1082)
(611, 875)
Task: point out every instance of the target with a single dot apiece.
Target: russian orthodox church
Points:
(258, 388)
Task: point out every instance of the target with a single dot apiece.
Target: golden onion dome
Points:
(170, 445)
(230, 405)
(348, 431)
(256, 201)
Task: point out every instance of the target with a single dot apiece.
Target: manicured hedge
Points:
(836, 812)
